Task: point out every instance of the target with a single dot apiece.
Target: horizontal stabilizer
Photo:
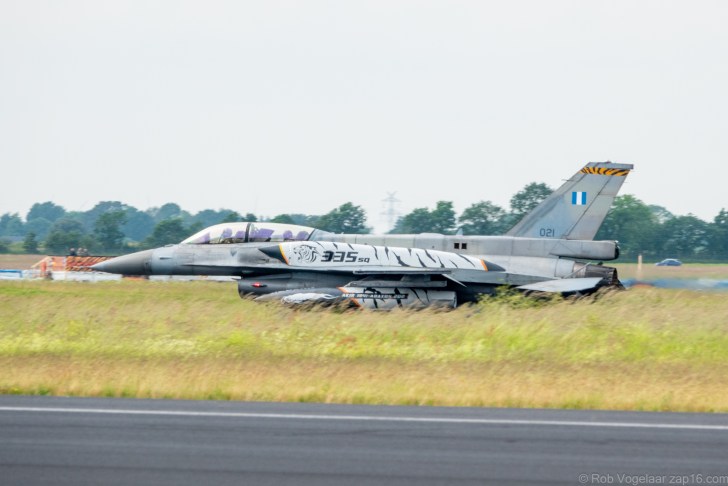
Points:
(564, 285)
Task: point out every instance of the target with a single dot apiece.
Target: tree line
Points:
(112, 227)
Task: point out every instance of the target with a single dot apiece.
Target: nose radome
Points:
(133, 264)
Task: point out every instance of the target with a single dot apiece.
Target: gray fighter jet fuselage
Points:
(550, 250)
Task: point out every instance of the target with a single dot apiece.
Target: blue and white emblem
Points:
(578, 198)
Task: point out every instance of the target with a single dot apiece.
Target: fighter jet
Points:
(550, 250)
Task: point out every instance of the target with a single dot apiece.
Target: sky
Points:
(300, 106)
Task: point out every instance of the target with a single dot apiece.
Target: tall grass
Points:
(639, 349)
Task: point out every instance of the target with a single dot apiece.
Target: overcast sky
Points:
(272, 107)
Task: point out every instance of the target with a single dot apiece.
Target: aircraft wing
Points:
(462, 277)
(564, 285)
(399, 271)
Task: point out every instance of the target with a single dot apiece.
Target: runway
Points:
(76, 441)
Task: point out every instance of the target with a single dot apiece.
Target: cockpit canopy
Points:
(226, 233)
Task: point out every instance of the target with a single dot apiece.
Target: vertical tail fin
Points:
(576, 210)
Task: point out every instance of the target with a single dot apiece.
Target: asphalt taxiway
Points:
(76, 441)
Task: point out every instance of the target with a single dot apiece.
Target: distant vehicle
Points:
(669, 262)
(550, 250)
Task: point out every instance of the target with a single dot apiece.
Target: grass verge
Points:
(644, 349)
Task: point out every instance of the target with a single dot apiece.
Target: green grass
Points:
(639, 349)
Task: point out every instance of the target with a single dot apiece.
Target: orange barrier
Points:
(83, 263)
(68, 263)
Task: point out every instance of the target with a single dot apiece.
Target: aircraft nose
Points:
(134, 264)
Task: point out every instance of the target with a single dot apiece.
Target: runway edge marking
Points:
(364, 418)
